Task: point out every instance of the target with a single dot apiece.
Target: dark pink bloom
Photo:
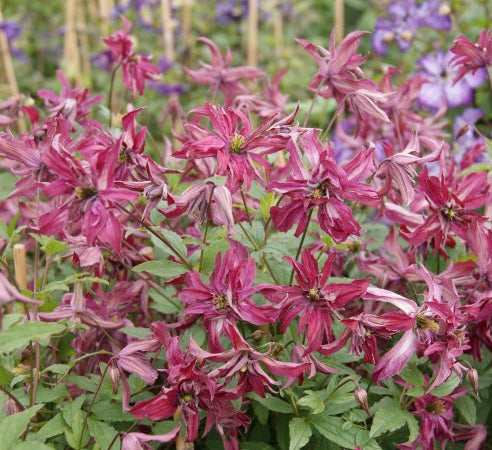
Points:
(228, 296)
(469, 57)
(239, 149)
(138, 441)
(73, 103)
(324, 185)
(136, 68)
(247, 364)
(315, 301)
(339, 73)
(451, 203)
(221, 76)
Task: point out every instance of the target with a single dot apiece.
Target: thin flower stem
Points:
(91, 404)
(7, 392)
(130, 428)
(207, 221)
(110, 98)
(263, 257)
(328, 128)
(246, 207)
(150, 227)
(267, 223)
(300, 245)
(311, 106)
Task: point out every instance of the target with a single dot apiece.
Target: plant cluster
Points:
(252, 281)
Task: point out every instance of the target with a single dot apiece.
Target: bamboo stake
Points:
(71, 55)
(20, 266)
(187, 6)
(278, 31)
(339, 20)
(9, 70)
(167, 29)
(105, 8)
(252, 32)
(84, 45)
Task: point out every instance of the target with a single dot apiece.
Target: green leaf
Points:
(448, 387)
(175, 240)
(261, 413)
(412, 375)
(5, 376)
(78, 437)
(330, 427)
(138, 332)
(165, 269)
(162, 304)
(299, 432)
(13, 426)
(255, 446)
(19, 335)
(273, 403)
(313, 400)
(413, 426)
(29, 445)
(467, 409)
(103, 434)
(53, 427)
(107, 411)
(477, 167)
(388, 418)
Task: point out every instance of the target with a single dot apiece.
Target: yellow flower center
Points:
(85, 192)
(220, 303)
(237, 143)
(426, 323)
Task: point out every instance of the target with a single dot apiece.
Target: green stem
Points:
(84, 424)
(149, 226)
(300, 245)
(246, 207)
(263, 257)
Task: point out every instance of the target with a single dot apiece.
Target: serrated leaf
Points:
(11, 427)
(138, 332)
(78, 436)
(447, 387)
(5, 376)
(29, 445)
(107, 411)
(261, 413)
(413, 426)
(53, 247)
(103, 434)
(19, 335)
(412, 375)
(162, 304)
(330, 426)
(387, 418)
(175, 240)
(299, 432)
(313, 400)
(53, 427)
(164, 269)
(273, 403)
(467, 409)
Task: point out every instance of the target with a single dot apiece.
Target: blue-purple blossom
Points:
(403, 20)
(227, 11)
(103, 60)
(165, 88)
(441, 91)
(12, 31)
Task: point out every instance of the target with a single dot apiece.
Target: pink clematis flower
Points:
(469, 57)
(138, 441)
(73, 103)
(339, 73)
(315, 301)
(221, 76)
(451, 203)
(228, 296)
(136, 68)
(325, 185)
(238, 148)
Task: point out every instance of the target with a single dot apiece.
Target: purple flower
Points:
(399, 26)
(144, 12)
(228, 11)
(12, 31)
(103, 60)
(404, 18)
(440, 90)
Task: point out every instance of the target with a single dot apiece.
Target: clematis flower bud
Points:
(360, 395)
(472, 377)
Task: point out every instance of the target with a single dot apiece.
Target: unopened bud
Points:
(78, 302)
(472, 377)
(360, 395)
(11, 407)
(114, 376)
